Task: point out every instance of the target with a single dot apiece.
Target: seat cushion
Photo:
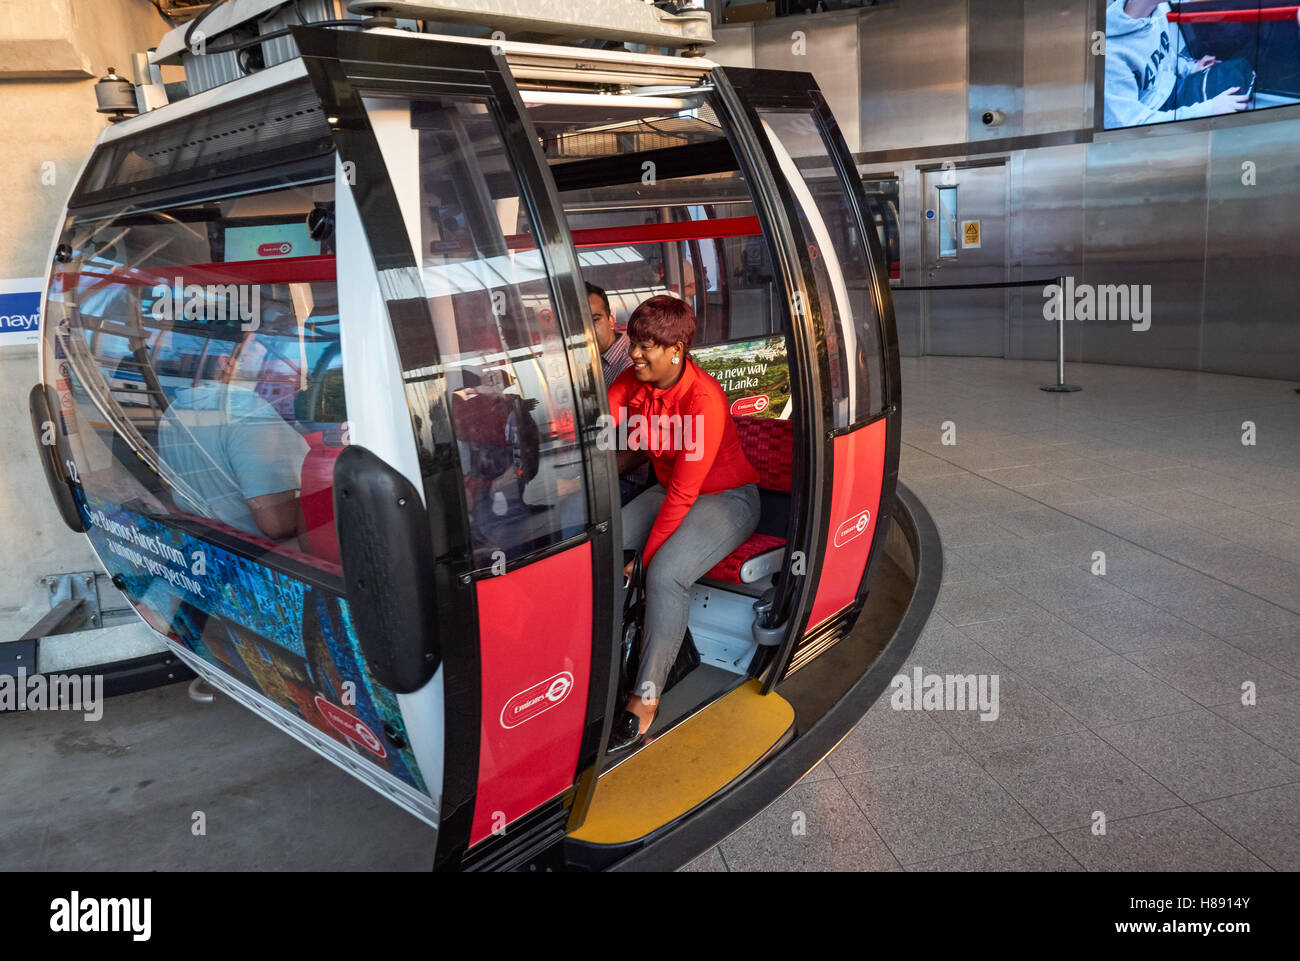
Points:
(757, 557)
(317, 500)
(768, 443)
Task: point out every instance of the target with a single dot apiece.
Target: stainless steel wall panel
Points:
(907, 304)
(1145, 209)
(1252, 285)
(733, 45)
(996, 67)
(1056, 53)
(828, 49)
(913, 74)
(1047, 217)
(1160, 206)
(907, 318)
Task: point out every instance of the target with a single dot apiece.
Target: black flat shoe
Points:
(625, 733)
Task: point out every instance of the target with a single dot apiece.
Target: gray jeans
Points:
(715, 526)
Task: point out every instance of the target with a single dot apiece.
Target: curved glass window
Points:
(840, 259)
(501, 350)
(197, 359)
(656, 204)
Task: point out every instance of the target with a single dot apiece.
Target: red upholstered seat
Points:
(317, 499)
(769, 444)
(729, 568)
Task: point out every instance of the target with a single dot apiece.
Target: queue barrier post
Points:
(1060, 387)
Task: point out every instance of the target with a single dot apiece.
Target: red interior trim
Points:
(321, 268)
(666, 233)
(1233, 16)
(283, 270)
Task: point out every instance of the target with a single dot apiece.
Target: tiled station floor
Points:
(1120, 693)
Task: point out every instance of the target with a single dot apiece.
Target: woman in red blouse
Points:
(706, 502)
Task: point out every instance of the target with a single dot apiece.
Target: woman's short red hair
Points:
(664, 320)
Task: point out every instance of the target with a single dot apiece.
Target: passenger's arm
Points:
(267, 456)
(688, 476)
(277, 515)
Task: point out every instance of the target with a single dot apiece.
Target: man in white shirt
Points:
(232, 451)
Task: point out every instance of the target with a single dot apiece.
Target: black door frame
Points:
(745, 90)
(341, 64)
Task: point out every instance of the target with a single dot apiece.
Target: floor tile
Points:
(1132, 626)
(814, 827)
(996, 502)
(1177, 840)
(958, 568)
(1035, 854)
(980, 598)
(1060, 493)
(1075, 468)
(944, 649)
(1013, 556)
(709, 862)
(1062, 780)
(1216, 676)
(1273, 720)
(889, 738)
(1288, 512)
(1017, 477)
(1198, 755)
(1033, 640)
(1009, 713)
(1061, 588)
(1128, 485)
(1226, 611)
(1279, 646)
(1040, 520)
(1266, 823)
(940, 808)
(820, 773)
(971, 530)
(1106, 690)
(1120, 556)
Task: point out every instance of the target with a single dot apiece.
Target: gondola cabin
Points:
(357, 276)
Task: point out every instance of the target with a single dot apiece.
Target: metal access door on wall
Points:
(964, 242)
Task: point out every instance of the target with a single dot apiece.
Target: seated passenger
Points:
(613, 346)
(502, 440)
(634, 477)
(707, 505)
(234, 457)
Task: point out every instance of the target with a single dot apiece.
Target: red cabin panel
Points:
(859, 473)
(535, 626)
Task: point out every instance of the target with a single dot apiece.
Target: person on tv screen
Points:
(1150, 77)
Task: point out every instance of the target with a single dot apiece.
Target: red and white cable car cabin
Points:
(328, 401)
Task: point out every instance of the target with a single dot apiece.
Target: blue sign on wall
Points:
(20, 311)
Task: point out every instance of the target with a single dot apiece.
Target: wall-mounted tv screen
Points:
(1198, 58)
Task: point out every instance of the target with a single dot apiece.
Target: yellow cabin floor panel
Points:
(682, 769)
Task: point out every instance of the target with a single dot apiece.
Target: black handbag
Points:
(629, 662)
